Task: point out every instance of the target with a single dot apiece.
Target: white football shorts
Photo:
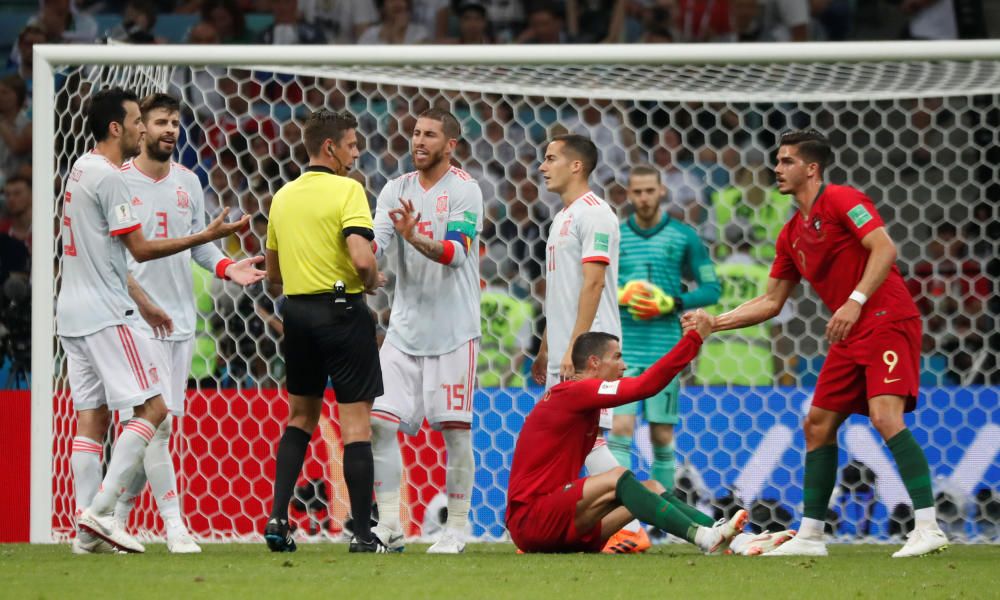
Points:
(115, 366)
(439, 388)
(174, 358)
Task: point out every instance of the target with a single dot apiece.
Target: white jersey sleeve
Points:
(170, 207)
(208, 256)
(435, 306)
(96, 209)
(385, 233)
(585, 231)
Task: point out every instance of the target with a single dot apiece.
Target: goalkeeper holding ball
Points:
(656, 252)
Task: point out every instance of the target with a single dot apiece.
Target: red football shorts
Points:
(547, 524)
(884, 360)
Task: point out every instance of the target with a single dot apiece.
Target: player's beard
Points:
(433, 160)
(154, 152)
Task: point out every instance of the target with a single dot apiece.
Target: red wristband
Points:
(221, 266)
(448, 254)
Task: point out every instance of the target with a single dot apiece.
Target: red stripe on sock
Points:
(148, 429)
(140, 429)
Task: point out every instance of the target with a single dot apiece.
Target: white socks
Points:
(811, 529)
(158, 468)
(388, 472)
(926, 518)
(600, 460)
(460, 473)
(86, 464)
(126, 459)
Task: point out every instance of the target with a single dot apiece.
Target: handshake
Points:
(647, 301)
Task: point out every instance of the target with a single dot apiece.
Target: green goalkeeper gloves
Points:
(651, 303)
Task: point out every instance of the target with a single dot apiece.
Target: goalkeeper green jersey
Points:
(663, 255)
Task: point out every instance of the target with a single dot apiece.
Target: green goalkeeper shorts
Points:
(661, 408)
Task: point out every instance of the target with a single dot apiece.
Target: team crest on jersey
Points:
(136, 201)
(816, 223)
(183, 199)
(153, 375)
(442, 203)
(565, 226)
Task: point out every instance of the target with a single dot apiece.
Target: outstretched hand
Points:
(219, 228)
(244, 272)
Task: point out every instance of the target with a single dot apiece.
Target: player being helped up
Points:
(550, 509)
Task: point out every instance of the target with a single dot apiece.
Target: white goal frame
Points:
(47, 57)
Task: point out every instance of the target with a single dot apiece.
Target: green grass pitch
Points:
(493, 571)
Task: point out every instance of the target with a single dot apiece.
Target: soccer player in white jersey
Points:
(110, 363)
(434, 215)
(168, 199)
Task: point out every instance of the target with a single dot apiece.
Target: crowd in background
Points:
(243, 140)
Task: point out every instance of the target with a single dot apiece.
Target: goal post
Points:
(906, 118)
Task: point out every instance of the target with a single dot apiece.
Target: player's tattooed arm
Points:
(405, 220)
(157, 318)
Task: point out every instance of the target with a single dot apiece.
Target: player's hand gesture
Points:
(157, 318)
(566, 370)
(843, 321)
(538, 367)
(403, 218)
(380, 281)
(698, 320)
(219, 228)
(244, 272)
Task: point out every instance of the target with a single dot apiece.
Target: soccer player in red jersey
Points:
(837, 241)
(549, 508)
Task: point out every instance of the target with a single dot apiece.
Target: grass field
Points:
(492, 571)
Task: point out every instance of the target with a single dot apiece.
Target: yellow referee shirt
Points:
(307, 225)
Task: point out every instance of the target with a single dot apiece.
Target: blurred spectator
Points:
(138, 21)
(507, 18)
(545, 26)
(432, 15)
(929, 19)
(595, 21)
(228, 19)
(289, 28)
(21, 59)
(474, 25)
(341, 21)
(396, 26)
(656, 22)
(203, 32)
(16, 221)
(698, 20)
(15, 128)
(62, 22)
(767, 21)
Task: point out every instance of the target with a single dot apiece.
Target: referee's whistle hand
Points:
(219, 228)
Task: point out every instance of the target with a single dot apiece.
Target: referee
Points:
(319, 248)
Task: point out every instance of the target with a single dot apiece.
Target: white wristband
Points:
(858, 297)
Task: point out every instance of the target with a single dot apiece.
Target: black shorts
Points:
(319, 344)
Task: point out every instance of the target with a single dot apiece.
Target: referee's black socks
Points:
(291, 454)
(359, 474)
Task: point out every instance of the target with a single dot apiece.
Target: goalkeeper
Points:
(656, 252)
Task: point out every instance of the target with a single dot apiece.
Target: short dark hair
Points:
(106, 107)
(159, 100)
(644, 169)
(324, 125)
(812, 146)
(582, 147)
(452, 128)
(592, 343)
(18, 179)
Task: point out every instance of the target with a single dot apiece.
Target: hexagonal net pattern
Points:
(920, 139)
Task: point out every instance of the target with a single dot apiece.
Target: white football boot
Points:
(450, 543)
(108, 530)
(748, 544)
(922, 542)
(179, 541)
(723, 532)
(88, 543)
(799, 546)
(392, 540)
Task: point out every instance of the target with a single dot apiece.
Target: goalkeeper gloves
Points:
(632, 290)
(653, 303)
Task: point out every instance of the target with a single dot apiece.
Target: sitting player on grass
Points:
(549, 508)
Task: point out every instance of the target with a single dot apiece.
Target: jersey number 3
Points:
(161, 225)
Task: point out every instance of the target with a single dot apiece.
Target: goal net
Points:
(916, 129)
